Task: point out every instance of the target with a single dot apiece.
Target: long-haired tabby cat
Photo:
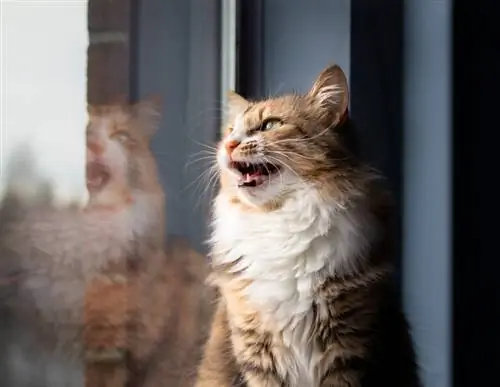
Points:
(301, 252)
(89, 297)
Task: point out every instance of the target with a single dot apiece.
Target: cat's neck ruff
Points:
(288, 252)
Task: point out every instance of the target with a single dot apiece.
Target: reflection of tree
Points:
(153, 324)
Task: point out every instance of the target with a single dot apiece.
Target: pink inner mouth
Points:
(254, 174)
(97, 176)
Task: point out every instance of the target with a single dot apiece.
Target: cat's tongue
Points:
(97, 176)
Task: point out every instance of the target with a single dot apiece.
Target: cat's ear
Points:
(92, 110)
(330, 91)
(236, 105)
(120, 99)
(147, 112)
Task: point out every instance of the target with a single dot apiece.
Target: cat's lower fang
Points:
(251, 176)
(247, 178)
(251, 180)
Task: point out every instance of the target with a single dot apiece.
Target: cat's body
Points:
(301, 254)
(50, 259)
(69, 238)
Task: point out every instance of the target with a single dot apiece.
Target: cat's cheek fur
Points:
(223, 160)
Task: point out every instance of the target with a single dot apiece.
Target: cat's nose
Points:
(231, 145)
(95, 147)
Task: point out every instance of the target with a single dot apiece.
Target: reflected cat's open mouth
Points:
(254, 174)
(97, 176)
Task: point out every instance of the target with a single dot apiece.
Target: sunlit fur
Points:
(291, 255)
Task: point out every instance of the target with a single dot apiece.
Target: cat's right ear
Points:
(331, 93)
(91, 110)
(236, 105)
(148, 113)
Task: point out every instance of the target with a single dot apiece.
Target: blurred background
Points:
(405, 60)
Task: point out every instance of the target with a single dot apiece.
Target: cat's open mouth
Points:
(254, 174)
(97, 176)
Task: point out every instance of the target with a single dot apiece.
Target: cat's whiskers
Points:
(306, 139)
(269, 173)
(284, 164)
(281, 153)
(213, 180)
(206, 146)
(208, 190)
(209, 176)
(204, 155)
(292, 154)
(278, 169)
(208, 173)
(204, 151)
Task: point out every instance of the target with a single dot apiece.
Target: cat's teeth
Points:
(248, 165)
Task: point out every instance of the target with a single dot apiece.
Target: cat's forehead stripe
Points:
(252, 117)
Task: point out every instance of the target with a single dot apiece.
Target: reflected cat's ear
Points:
(147, 112)
(331, 92)
(236, 105)
(92, 110)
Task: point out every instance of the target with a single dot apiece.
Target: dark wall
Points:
(427, 215)
(476, 283)
(280, 52)
(377, 34)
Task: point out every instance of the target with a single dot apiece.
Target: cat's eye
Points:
(271, 123)
(122, 137)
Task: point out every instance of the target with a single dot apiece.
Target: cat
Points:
(72, 278)
(301, 252)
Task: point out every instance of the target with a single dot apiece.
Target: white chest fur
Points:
(287, 254)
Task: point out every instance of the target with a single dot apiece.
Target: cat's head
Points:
(119, 160)
(275, 147)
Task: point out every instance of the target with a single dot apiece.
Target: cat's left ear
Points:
(236, 105)
(92, 110)
(331, 92)
(147, 112)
